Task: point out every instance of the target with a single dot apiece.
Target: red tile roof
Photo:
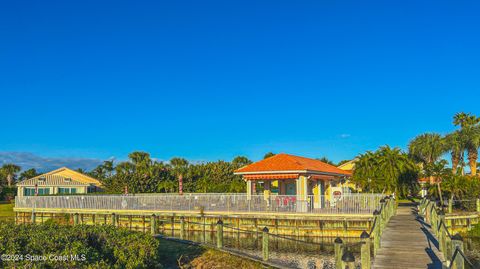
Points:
(430, 180)
(271, 176)
(286, 162)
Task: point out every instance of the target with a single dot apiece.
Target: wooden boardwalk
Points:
(408, 242)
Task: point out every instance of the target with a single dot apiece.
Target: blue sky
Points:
(210, 80)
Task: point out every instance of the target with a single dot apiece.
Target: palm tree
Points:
(455, 185)
(438, 171)
(180, 168)
(10, 170)
(470, 131)
(472, 143)
(240, 161)
(463, 120)
(385, 170)
(393, 163)
(365, 171)
(268, 155)
(455, 144)
(28, 174)
(326, 160)
(427, 148)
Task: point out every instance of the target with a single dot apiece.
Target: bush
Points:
(7, 193)
(94, 246)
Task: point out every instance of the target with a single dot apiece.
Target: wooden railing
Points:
(451, 246)
(344, 258)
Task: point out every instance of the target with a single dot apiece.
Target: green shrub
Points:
(95, 246)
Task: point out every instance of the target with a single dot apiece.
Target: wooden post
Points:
(34, 217)
(365, 250)
(427, 207)
(433, 221)
(442, 233)
(348, 259)
(338, 248)
(16, 218)
(265, 243)
(376, 232)
(93, 219)
(450, 205)
(153, 225)
(105, 219)
(219, 233)
(182, 227)
(387, 208)
(457, 242)
(143, 223)
(478, 205)
(114, 220)
(382, 215)
(130, 222)
(75, 219)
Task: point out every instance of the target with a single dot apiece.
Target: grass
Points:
(179, 255)
(216, 259)
(6, 211)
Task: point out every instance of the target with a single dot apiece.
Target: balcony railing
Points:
(228, 203)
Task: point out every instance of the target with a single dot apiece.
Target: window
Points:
(43, 191)
(31, 191)
(67, 190)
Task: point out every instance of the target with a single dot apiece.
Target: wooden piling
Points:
(348, 259)
(457, 243)
(376, 231)
(114, 220)
(265, 244)
(75, 219)
(338, 248)
(219, 233)
(34, 217)
(442, 233)
(153, 224)
(450, 205)
(365, 250)
(182, 228)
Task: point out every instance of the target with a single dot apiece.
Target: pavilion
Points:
(295, 176)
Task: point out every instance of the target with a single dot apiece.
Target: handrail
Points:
(439, 224)
(458, 250)
(373, 226)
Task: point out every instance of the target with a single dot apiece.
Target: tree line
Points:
(393, 170)
(142, 174)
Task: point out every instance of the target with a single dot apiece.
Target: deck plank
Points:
(407, 243)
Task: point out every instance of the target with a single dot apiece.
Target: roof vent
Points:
(41, 179)
(68, 180)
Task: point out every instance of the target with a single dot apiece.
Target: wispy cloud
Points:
(27, 160)
(345, 135)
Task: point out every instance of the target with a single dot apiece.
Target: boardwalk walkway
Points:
(407, 242)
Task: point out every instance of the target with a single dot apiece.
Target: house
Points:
(349, 167)
(296, 176)
(60, 181)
